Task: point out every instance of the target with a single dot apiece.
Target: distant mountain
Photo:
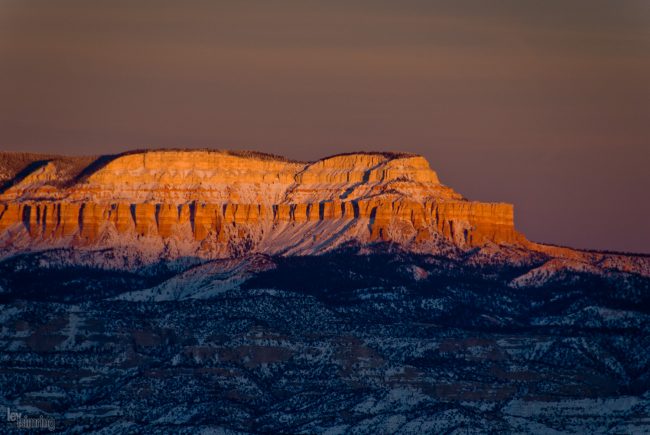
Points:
(174, 204)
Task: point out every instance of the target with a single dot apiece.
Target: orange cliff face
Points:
(216, 204)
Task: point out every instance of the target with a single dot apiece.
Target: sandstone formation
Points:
(222, 203)
(174, 204)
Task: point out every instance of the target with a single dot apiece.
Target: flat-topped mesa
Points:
(222, 203)
(221, 177)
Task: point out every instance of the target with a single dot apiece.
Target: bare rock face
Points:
(218, 202)
(215, 204)
(179, 177)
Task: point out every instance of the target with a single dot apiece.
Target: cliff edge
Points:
(219, 204)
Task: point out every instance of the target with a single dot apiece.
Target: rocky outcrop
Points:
(222, 203)
(400, 220)
(215, 204)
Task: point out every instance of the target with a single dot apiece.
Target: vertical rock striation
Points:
(218, 203)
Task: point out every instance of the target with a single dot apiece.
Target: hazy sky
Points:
(545, 104)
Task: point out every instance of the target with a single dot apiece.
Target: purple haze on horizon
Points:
(545, 104)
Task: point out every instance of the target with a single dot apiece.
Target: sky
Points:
(544, 104)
